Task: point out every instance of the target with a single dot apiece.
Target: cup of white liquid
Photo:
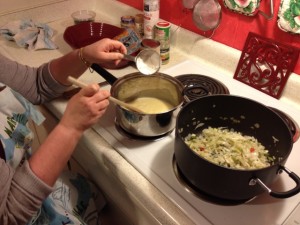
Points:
(147, 61)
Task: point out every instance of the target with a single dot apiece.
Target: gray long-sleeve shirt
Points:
(21, 192)
(35, 84)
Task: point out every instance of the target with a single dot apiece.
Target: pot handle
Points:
(285, 194)
(104, 73)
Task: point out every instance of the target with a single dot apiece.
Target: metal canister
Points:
(128, 22)
(152, 44)
(151, 16)
(139, 24)
(162, 34)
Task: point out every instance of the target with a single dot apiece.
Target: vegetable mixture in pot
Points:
(229, 148)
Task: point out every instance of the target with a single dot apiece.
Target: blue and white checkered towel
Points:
(28, 34)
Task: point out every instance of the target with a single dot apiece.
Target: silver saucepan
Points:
(137, 85)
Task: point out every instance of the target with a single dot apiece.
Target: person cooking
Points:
(31, 189)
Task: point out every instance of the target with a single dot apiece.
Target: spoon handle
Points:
(117, 101)
(129, 57)
(124, 104)
(76, 82)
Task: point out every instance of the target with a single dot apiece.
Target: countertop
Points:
(138, 198)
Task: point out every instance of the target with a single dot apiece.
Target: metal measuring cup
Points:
(147, 61)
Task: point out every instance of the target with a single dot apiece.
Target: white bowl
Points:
(83, 16)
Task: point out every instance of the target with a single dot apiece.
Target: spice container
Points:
(128, 22)
(152, 44)
(151, 16)
(139, 24)
(162, 34)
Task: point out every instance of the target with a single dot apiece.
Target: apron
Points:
(73, 199)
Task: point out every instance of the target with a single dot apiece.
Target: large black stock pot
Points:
(254, 119)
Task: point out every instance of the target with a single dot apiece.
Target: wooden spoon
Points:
(117, 101)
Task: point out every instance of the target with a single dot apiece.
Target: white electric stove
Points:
(154, 159)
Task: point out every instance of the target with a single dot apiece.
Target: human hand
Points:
(106, 52)
(85, 108)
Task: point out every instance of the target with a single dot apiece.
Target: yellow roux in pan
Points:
(152, 94)
(151, 105)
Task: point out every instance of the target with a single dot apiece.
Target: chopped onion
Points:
(229, 148)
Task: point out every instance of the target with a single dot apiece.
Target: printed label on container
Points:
(151, 16)
(162, 34)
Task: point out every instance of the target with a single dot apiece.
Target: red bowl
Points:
(86, 33)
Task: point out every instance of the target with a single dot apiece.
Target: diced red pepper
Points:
(202, 149)
(252, 149)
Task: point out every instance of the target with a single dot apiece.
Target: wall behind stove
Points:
(234, 27)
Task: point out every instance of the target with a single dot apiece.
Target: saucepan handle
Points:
(104, 73)
(285, 194)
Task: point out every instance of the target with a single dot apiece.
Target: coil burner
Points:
(196, 85)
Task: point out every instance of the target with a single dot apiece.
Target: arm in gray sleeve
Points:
(21, 195)
(35, 84)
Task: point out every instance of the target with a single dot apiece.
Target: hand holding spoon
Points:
(117, 101)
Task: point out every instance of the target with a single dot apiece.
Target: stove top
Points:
(154, 159)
